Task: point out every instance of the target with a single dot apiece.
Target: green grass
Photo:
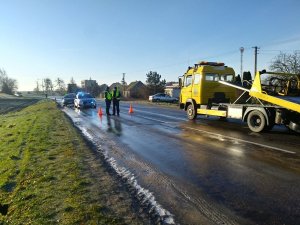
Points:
(44, 171)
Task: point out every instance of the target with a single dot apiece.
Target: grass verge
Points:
(49, 175)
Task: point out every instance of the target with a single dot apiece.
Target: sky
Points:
(102, 39)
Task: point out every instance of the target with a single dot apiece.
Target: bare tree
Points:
(286, 63)
(72, 81)
(37, 88)
(60, 86)
(48, 86)
(7, 85)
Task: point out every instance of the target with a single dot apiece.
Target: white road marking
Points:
(241, 140)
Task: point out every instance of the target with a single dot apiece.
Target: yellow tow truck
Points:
(208, 88)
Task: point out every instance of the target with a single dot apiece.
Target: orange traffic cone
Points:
(100, 113)
(130, 109)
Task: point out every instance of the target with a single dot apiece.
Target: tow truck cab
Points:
(200, 86)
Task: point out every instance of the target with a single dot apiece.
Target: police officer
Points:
(116, 95)
(108, 97)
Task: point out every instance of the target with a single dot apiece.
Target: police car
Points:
(84, 100)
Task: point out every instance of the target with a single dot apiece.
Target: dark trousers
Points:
(116, 106)
(107, 102)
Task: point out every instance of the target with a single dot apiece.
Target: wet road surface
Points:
(200, 172)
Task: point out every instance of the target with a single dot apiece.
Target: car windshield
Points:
(70, 96)
(84, 96)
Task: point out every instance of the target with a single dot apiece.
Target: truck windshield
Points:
(211, 77)
(227, 77)
(188, 81)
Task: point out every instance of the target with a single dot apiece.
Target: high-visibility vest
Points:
(116, 94)
(107, 95)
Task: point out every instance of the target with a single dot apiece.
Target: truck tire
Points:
(191, 112)
(256, 121)
(294, 126)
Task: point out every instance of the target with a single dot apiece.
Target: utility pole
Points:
(123, 82)
(255, 59)
(242, 51)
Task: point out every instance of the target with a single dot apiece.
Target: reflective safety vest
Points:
(116, 94)
(107, 95)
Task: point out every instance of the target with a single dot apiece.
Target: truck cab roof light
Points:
(204, 63)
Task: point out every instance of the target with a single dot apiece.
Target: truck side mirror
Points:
(180, 81)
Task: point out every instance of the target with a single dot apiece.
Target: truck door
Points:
(186, 91)
(196, 88)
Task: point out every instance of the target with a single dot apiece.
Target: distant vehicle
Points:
(18, 94)
(161, 97)
(68, 99)
(84, 100)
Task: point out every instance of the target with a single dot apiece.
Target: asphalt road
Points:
(201, 172)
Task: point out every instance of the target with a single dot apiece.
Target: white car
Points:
(161, 97)
(84, 100)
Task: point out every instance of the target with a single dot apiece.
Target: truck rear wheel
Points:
(256, 121)
(191, 112)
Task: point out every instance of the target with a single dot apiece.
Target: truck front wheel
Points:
(191, 112)
(256, 121)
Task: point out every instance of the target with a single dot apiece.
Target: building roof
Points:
(135, 84)
(117, 84)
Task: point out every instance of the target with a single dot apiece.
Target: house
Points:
(136, 89)
(118, 85)
(72, 88)
(173, 89)
(89, 85)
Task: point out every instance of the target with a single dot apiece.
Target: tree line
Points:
(154, 84)
(7, 85)
(47, 86)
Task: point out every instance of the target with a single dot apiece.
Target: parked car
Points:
(68, 99)
(161, 97)
(18, 94)
(84, 100)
